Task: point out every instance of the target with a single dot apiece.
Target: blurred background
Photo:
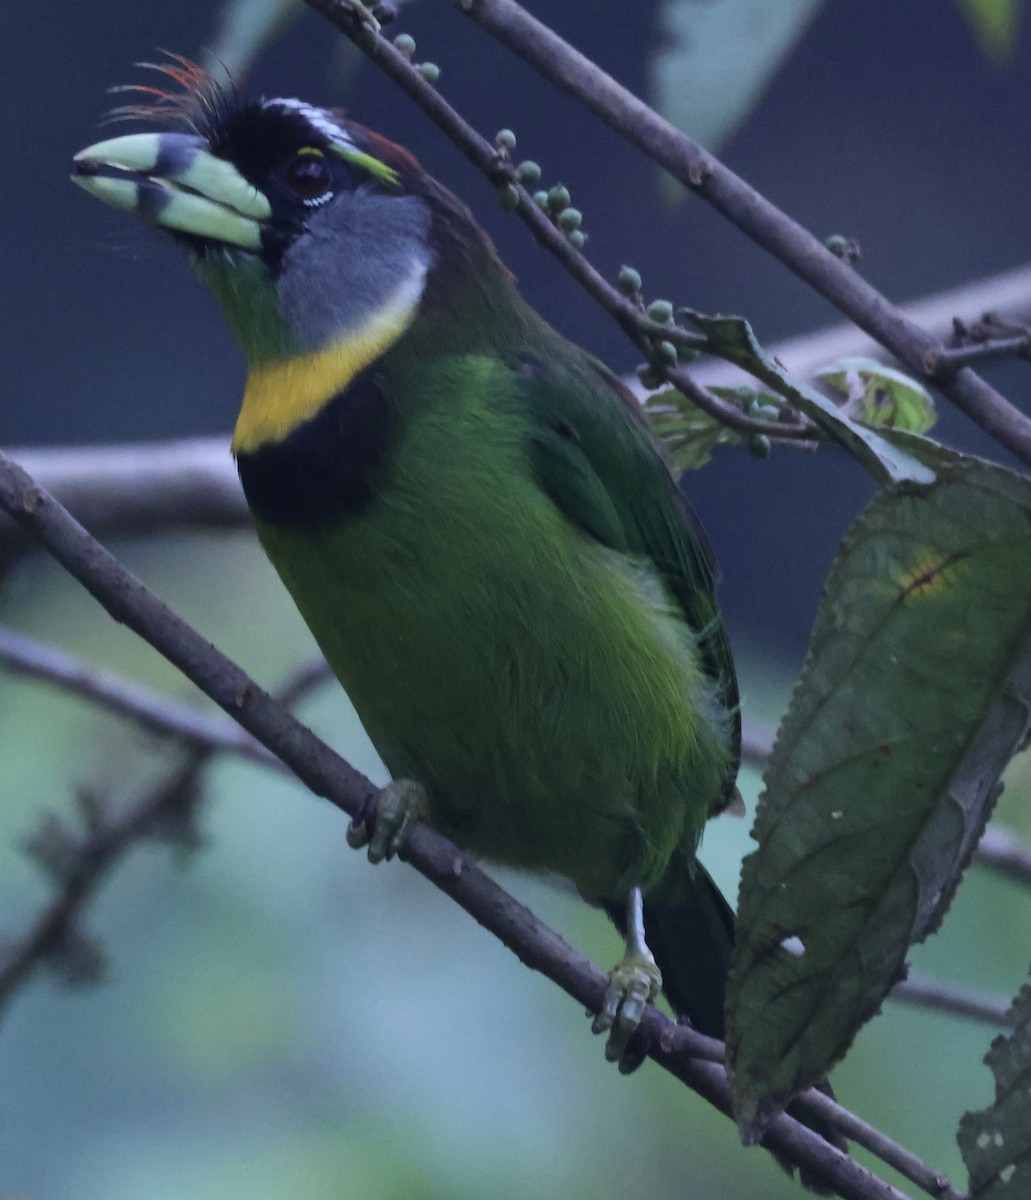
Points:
(277, 1018)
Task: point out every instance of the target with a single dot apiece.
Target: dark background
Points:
(887, 123)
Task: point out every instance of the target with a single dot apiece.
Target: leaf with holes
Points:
(880, 396)
(731, 338)
(996, 1142)
(915, 694)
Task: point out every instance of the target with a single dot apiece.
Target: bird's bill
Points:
(172, 180)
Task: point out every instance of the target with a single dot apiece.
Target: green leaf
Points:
(996, 1142)
(705, 76)
(689, 434)
(732, 338)
(879, 396)
(245, 28)
(915, 694)
(996, 23)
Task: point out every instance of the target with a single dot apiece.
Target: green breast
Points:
(539, 685)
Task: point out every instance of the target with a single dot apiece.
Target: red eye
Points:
(308, 177)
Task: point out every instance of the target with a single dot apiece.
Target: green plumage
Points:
(476, 524)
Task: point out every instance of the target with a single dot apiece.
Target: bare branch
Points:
(1008, 294)
(328, 775)
(130, 489)
(923, 992)
(107, 839)
(1006, 854)
(151, 710)
(742, 205)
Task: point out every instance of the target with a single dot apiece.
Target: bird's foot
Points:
(633, 984)
(385, 821)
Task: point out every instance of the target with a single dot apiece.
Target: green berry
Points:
(648, 376)
(665, 354)
(541, 200)
(508, 197)
(505, 139)
(629, 281)
(528, 173)
(570, 219)
(759, 444)
(405, 43)
(576, 238)
(429, 71)
(661, 311)
(558, 198)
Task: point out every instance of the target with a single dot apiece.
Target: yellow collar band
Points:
(286, 392)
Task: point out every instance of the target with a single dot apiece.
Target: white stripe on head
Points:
(317, 118)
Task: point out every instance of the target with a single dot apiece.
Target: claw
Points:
(633, 984)
(395, 810)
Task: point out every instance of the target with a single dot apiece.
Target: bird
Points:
(472, 517)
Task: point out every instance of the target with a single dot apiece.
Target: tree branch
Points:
(86, 860)
(555, 60)
(151, 710)
(991, 1009)
(325, 773)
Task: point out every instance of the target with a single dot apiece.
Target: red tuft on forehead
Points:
(201, 104)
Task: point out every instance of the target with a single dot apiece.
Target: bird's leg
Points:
(633, 983)
(386, 820)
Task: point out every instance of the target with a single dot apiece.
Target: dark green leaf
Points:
(996, 1142)
(732, 338)
(914, 696)
(880, 396)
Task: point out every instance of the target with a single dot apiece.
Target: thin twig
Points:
(328, 775)
(149, 709)
(89, 859)
(1006, 854)
(949, 359)
(557, 61)
(992, 1009)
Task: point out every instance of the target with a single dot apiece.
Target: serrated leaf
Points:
(996, 1142)
(915, 693)
(689, 434)
(879, 396)
(996, 23)
(732, 338)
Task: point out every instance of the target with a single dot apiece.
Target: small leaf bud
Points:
(508, 197)
(665, 354)
(558, 198)
(629, 281)
(528, 173)
(661, 311)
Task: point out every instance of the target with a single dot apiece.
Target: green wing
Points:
(596, 458)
